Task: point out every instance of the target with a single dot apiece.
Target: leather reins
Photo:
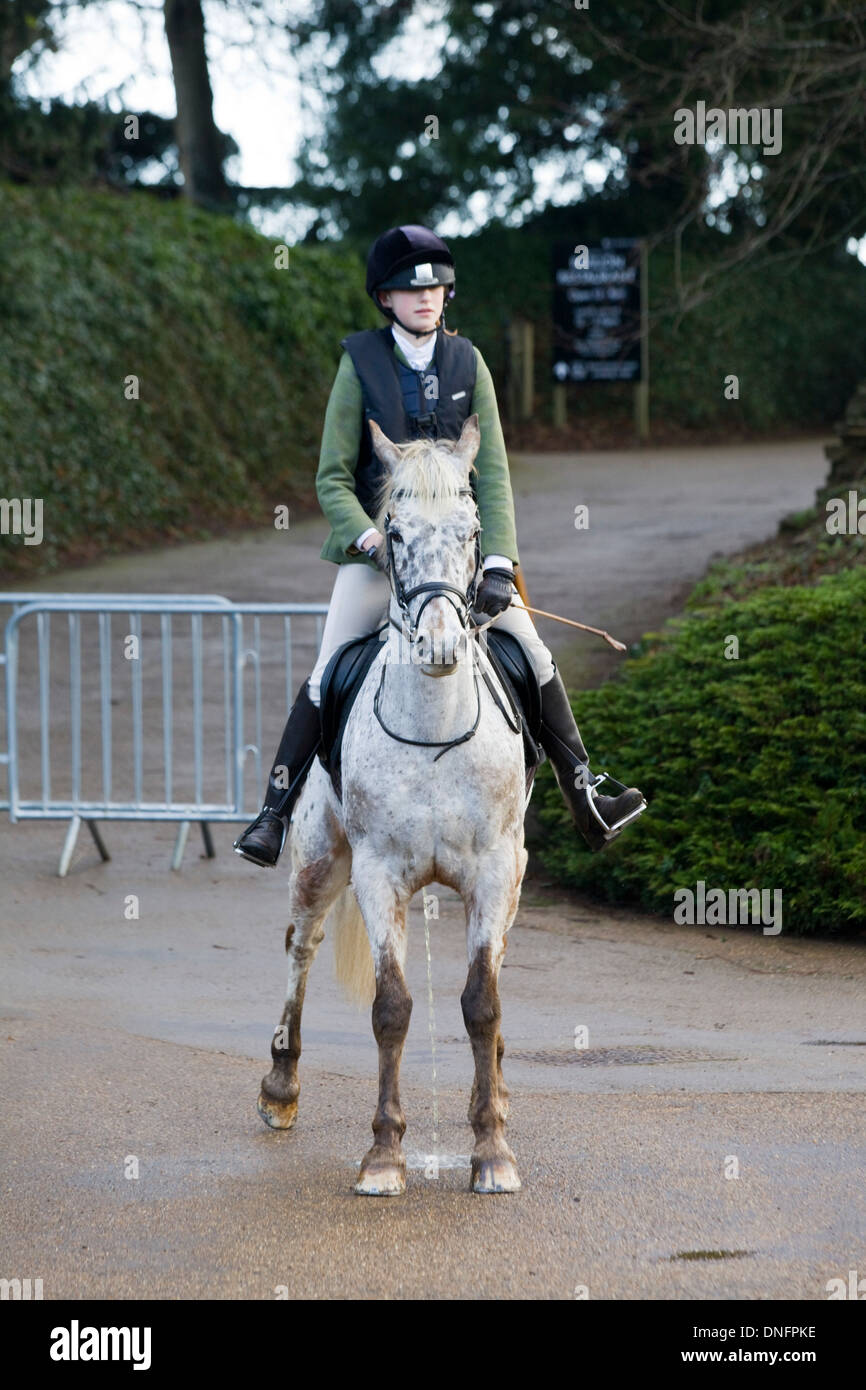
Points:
(440, 588)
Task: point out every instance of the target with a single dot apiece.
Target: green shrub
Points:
(754, 769)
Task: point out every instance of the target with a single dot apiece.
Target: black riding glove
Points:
(494, 592)
(379, 555)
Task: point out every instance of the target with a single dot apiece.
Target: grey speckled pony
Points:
(413, 815)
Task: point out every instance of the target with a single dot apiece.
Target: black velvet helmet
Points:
(408, 258)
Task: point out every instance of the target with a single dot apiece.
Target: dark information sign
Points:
(596, 311)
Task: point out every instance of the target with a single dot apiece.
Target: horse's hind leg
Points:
(321, 868)
(490, 912)
(383, 1167)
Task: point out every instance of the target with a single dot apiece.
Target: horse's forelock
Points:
(428, 476)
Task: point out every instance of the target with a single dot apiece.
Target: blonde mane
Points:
(426, 473)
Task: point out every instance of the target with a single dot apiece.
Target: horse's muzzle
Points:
(439, 653)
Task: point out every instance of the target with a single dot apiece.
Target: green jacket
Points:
(335, 479)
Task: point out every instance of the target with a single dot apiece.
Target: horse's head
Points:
(429, 519)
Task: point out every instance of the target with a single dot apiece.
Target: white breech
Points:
(359, 605)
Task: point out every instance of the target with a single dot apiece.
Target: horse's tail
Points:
(353, 963)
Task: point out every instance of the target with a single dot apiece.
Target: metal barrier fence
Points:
(154, 722)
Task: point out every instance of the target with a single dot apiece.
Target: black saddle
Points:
(347, 670)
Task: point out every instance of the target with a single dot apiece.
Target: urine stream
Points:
(431, 1024)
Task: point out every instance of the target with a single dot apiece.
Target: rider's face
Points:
(418, 309)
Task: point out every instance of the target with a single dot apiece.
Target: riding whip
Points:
(599, 632)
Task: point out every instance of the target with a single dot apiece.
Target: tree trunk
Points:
(23, 23)
(199, 142)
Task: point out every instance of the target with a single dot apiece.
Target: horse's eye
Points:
(395, 535)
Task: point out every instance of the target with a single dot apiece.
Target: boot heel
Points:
(263, 840)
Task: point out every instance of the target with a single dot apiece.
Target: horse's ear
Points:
(387, 452)
(469, 442)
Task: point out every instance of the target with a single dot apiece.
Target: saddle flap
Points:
(343, 677)
(512, 663)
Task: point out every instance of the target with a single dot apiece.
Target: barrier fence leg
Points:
(98, 841)
(180, 844)
(68, 846)
(208, 840)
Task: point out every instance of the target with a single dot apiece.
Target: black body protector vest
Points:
(432, 404)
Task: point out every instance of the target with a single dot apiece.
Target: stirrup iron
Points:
(610, 832)
(250, 855)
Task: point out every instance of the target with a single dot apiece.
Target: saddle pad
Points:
(347, 670)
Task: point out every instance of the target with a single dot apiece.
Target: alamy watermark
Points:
(846, 516)
(77, 1343)
(739, 125)
(22, 516)
(20, 1289)
(853, 1287)
(736, 907)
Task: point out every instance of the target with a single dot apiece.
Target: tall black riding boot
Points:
(262, 841)
(598, 818)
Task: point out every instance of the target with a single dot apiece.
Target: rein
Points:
(436, 588)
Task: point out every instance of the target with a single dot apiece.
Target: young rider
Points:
(415, 379)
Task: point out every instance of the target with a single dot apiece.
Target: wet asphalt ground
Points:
(706, 1142)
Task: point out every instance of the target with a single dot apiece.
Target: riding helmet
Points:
(408, 258)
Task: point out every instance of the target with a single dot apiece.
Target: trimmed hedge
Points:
(754, 769)
(235, 360)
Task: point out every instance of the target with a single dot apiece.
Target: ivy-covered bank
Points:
(232, 359)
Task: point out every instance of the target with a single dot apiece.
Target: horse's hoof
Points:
(494, 1175)
(381, 1180)
(279, 1114)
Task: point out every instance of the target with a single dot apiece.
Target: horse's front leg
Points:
(383, 1167)
(322, 863)
(503, 1089)
(490, 911)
